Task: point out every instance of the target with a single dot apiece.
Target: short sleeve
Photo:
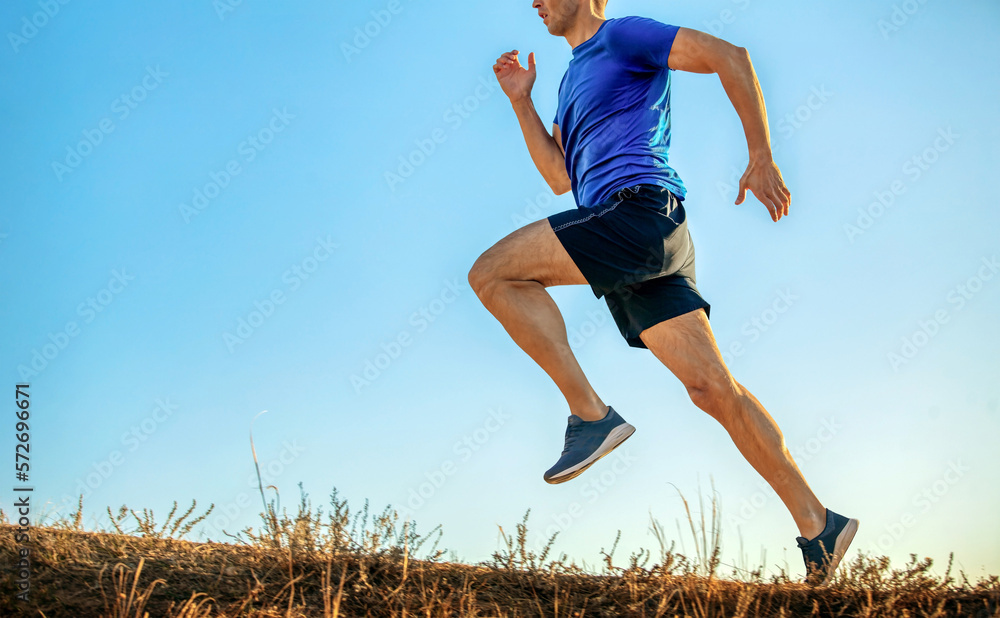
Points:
(642, 43)
(559, 98)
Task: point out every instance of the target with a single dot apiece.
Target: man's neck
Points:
(583, 30)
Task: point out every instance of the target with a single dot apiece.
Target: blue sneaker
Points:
(823, 553)
(586, 442)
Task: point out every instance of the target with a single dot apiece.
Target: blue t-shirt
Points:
(614, 110)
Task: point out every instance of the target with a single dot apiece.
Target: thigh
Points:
(686, 345)
(532, 253)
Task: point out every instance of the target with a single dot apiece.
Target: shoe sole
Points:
(615, 437)
(840, 548)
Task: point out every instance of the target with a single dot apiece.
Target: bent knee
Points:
(480, 277)
(485, 275)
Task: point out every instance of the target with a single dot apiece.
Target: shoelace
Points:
(572, 431)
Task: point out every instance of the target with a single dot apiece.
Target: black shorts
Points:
(634, 250)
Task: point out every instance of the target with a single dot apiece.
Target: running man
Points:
(628, 240)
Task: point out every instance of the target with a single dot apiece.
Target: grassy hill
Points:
(339, 563)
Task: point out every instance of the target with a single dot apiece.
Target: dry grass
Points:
(344, 563)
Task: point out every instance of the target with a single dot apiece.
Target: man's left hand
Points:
(763, 178)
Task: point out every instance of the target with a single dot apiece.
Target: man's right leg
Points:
(510, 279)
(687, 347)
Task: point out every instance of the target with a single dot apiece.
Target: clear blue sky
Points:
(199, 221)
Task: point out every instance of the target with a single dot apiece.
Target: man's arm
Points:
(545, 150)
(698, 52)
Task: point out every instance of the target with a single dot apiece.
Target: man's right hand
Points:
(515, 80)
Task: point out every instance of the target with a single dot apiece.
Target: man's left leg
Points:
(686, 346)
